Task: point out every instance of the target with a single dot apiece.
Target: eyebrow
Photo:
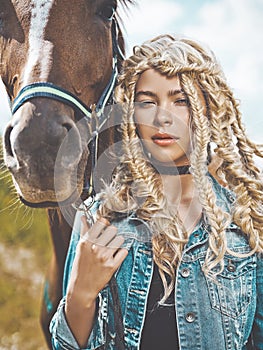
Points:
(175, 92)
(152, 94)
(145, 93)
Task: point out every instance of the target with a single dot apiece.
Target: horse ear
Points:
(10, 27)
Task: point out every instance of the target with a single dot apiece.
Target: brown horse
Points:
(56, 59)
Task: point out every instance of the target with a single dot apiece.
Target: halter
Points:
(49, 90)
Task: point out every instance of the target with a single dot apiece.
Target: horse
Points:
(58, 63)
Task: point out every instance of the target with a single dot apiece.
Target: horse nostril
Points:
(67, 126)
(7, 141)
(70, 149)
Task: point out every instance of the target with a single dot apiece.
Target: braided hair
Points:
(137, 187)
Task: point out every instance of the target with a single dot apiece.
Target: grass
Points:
(25, 248)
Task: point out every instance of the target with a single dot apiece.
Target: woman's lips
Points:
(164, 139)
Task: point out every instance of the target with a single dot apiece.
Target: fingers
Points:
(110, 257)
(99, 255)
(116, 242)
(120, 256)
(102, 234)
(108, 239)
(106, 236)
(84, 226)
(91, 233)
(97, 228)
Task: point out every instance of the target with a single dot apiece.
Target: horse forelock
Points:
(39, 49)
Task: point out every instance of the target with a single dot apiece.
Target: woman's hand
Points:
(98, 256)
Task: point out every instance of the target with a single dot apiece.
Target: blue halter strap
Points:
(49, 90)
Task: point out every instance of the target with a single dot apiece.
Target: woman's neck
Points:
(178, 188)
(181, 193)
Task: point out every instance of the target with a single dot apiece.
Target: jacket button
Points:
(190, 317)
(185, 272)
(231, 267)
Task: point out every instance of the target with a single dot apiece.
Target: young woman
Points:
(185, 251)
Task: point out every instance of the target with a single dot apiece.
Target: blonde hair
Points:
(137, 187)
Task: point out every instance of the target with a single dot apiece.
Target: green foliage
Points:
(25, 247)
(21, 226)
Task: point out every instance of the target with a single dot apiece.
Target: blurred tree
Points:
(24, 254)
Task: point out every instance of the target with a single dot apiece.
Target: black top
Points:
(160, 329)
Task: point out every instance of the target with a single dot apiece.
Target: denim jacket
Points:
(226, 313)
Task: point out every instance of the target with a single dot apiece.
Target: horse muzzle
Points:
(46, 152)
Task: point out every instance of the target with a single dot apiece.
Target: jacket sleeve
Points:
(258, 321)
(62, 337)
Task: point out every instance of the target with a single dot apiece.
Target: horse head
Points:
(56, 59)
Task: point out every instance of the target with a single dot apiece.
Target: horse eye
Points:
(107, 12)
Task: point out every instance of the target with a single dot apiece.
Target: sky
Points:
(231, 28)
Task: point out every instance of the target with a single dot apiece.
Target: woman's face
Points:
(162, 118)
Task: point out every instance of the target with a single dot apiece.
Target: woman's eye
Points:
(145, 104)
(181, 102)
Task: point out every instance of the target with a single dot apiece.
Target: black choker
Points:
(172, 170)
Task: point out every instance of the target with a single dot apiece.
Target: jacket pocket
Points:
(231, 290)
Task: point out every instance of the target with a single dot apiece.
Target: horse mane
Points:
(125, 5)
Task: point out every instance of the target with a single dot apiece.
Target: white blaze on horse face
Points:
(39, 59)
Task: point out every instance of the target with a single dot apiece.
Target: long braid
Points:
(246, 148)
(238, 167)
(217, 219)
